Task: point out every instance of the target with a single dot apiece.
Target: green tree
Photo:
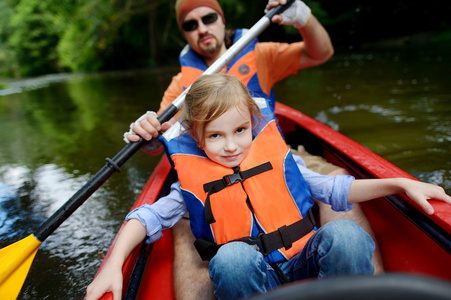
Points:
(115, 34)
(8, 65)
(34, 37)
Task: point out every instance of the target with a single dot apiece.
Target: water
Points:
(397, 103)
(56, 131)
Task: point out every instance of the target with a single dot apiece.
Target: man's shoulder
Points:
(276, 45)
(277, 50)
(266, 48)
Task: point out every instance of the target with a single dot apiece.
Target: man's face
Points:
(207, 40)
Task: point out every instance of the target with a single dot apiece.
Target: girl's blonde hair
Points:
(209, 97)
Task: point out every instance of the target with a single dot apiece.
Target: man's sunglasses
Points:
(193, 24)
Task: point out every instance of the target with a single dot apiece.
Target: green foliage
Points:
(444, 37)
(3, 86)
(83, 42)
(112, 35)
(34, 37)
(46, 36)
(8, 65)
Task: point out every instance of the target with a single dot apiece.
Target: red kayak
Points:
(410, 241)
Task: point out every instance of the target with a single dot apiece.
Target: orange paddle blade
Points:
(15, 262)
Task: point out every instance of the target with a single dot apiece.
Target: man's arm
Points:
(317, 44)
(174, 89)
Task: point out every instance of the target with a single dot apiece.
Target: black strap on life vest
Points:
(237, 176)
(285, 236)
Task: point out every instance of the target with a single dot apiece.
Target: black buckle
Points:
(255, 241)
(311, 217)
(232, 178)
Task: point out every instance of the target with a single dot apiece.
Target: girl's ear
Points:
(194, 136)
(200, 145)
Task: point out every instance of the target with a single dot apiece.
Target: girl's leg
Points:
(238, 271)
(338, 248)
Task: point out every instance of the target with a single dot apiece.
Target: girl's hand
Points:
(420, 192)
(110, 277)
(367, 189)
(147, 126)
(108, 280)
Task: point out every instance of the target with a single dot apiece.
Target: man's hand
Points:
(298, 14)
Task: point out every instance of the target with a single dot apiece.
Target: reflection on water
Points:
(56, 131)
(31, 197)
(38, 82)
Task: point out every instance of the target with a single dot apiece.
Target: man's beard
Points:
(211, 48)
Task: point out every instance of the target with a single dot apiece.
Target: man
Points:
(270, 58)
(259, 66)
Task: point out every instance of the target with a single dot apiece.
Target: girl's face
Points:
(229, 137)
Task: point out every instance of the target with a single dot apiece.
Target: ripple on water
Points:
(77, 247)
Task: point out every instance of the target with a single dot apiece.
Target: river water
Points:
(56, 130)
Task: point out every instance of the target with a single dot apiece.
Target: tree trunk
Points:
(154, 35)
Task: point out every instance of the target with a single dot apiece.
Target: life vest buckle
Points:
(232, 178)
(255, 241)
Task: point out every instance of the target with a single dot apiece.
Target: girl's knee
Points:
(345, 248)
(236, 258)
(345, 238)
(237, 270)
(349, 234)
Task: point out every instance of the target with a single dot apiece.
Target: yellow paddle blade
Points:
(15, 262)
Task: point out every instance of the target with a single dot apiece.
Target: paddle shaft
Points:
(113, 165)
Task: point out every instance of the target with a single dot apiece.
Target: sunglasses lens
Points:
(210, 18)
(190, 25)
(207, 20)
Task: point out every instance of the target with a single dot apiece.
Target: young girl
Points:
(249, 200)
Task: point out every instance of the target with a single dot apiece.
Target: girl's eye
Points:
(241, 129)
(213, 136)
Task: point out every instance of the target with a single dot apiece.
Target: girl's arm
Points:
(147, 220)
(110, 278)
(367, 189)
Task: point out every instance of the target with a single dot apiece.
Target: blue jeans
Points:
(338, 248)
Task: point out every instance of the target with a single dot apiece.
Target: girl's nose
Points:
(230, 145)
